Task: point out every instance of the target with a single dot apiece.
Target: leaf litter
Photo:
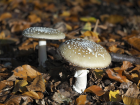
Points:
(22, 81)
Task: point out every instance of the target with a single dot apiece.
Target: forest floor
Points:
(114, 24)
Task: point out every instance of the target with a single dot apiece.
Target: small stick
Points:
(122, 57)
(96, 25)
(6, 59)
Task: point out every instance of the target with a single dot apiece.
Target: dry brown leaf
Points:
(134, 41)
(133, 91)
(113, 48)
(58, 97)
(5, 83)
(38, 84)
(5, 16)
(40, 94)
(27, 47)
(26, 71)
(126, 65)
(117, 75)
(15, 100)
(3, 69)
(75, 10)
(93, 35)
(33, 94)
(81, 100)
(51, 8)
(18, 25)
(95, 89)
(130, 100)
(2, 35)
(34, 18)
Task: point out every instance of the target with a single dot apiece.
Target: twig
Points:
(6, 59)
(96, 25)
(122, 57)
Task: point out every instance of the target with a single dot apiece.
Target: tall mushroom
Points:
(43, 33)
(84, 54)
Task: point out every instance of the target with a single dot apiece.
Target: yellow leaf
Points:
(88, 19)
(68, 27)
(130, 100)
(20, 86)
(65, 13)
(87, 27)
(114, 96)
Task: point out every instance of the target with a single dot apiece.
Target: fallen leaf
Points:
(95, 89)
(135, 41)
(76, 9)
(81, 100)
(26, 71)
(20, 86)
(5, 83)
(15, 100)
(113, 48)
(65, 13)
(5, 15)
(2, 35)
(114, 96)
(38, 84)
(126, 65)
(87, 27)
(58, 97)
(88, 19)
(32, 94)
(133, 91)
(130, 100)
(34, 18)
(92, 36)
(117, 75)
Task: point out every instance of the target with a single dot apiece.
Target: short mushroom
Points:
(43, 33)
(84, 54)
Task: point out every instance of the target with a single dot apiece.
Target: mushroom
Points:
(84, 54)
(43, 33)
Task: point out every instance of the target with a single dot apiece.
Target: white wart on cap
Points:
(85, 53)
(43, 33)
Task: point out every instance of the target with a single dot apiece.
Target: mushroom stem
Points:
(81, 80)
(42, 52)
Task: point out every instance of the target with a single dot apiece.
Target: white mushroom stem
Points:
(42, 53)
(81, 80)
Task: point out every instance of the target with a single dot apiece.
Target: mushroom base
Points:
(81, 80)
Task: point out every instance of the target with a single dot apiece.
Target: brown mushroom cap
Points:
(85, 53)
(43, 33)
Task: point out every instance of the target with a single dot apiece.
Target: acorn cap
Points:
(43, 33)
(84, 53)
